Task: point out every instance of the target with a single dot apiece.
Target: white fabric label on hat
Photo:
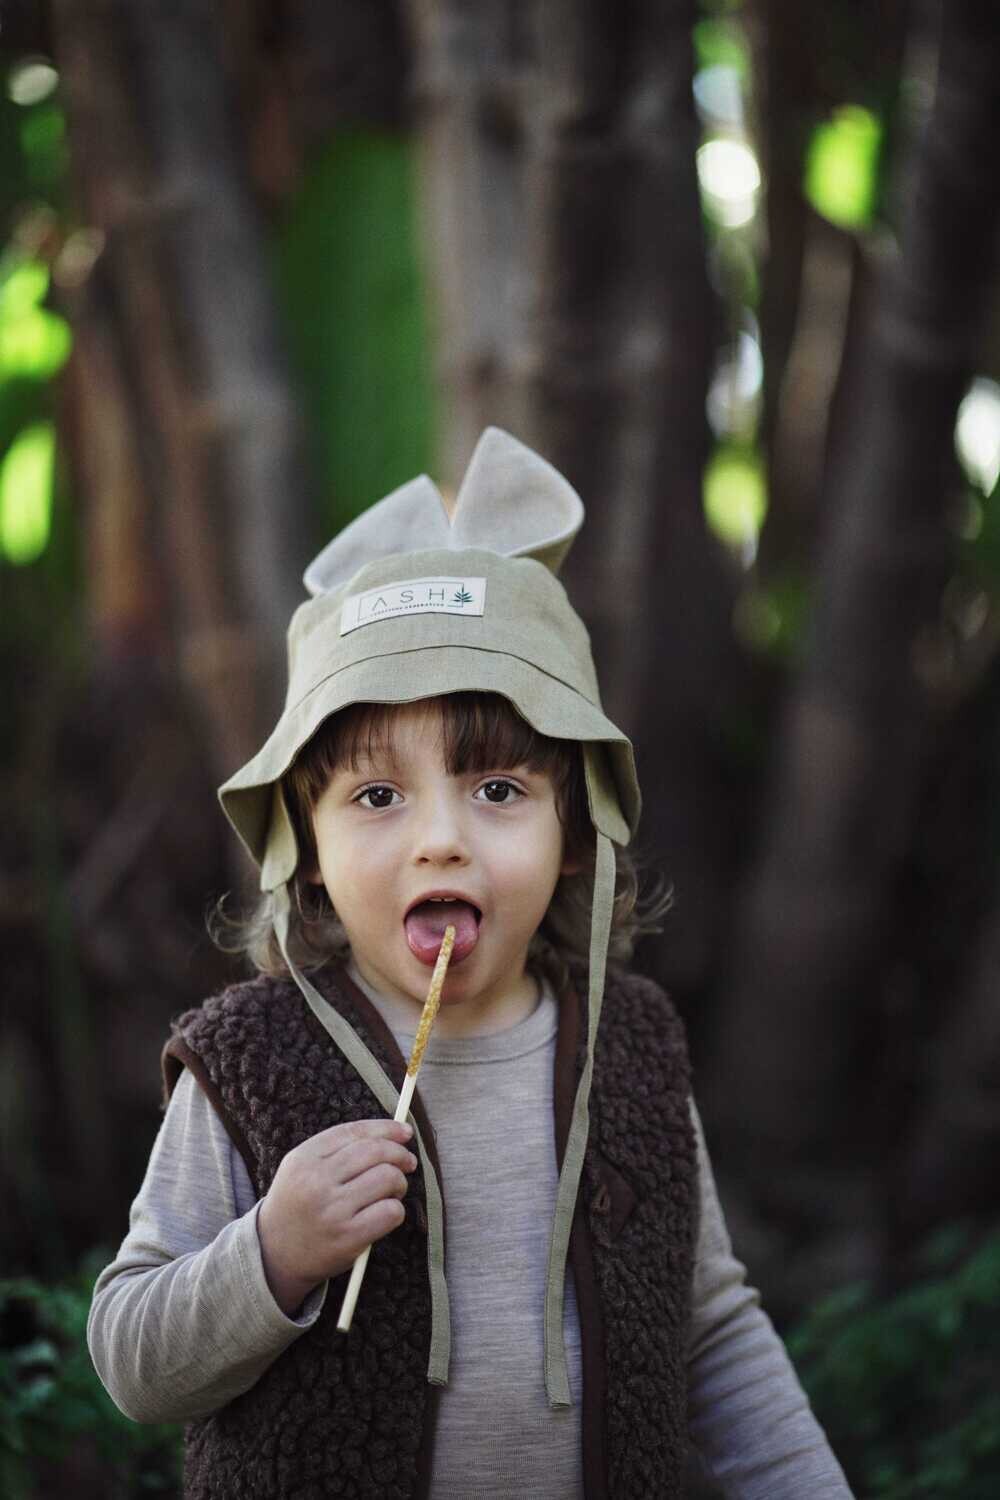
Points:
(415, 596)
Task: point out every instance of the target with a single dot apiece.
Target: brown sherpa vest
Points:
(353, 1415)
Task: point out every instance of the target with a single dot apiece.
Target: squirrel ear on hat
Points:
(410, 519)
(511, 501)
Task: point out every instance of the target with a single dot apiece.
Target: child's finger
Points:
(337, 1137)
(376, 1221)
(380, 1182)
(363, 1154)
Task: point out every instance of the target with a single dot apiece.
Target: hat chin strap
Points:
(556, 1370)
(385, 1091)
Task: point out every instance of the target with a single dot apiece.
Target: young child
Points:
(551, 1308)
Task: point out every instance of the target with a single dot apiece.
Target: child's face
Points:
(397, 830)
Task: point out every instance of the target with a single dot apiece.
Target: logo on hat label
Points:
(417, 596)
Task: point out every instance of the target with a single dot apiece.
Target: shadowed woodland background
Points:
(732, 268)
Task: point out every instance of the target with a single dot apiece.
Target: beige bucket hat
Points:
(408, 603)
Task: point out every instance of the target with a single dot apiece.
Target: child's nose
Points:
(441, 837)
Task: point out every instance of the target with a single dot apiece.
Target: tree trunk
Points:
(158, 172)
(813, 936)
(565, 246)
(471, 71)
(123, 588)
(808, 63)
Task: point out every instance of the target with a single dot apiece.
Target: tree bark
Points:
(124, 588)
(471, 71)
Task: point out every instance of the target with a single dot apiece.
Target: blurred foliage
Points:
(59, 1429)
(48, 1404)
(349, 278)
(773, 617)
(735, 495)
(32, 147)
(980, 534)
(39, 579)
(43, 142)
(26, 493)
(842, 167)
(905, 1385)
(719, 43)
(34, 343)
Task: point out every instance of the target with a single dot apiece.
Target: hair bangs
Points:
(358, 734)
(485, 732)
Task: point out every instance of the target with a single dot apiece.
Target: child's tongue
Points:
(426, 923)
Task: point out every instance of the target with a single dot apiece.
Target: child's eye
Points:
(376, 796)
(500, 790)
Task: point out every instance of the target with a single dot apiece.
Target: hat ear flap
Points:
(602, 794)
(281, 856)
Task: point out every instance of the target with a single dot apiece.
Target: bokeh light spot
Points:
(26, 494)
(34, 342)
(730, 180)
(977, 434)
(718, 43)
(841, 167)
(23, 288)
(734, 395)
(718, 94)
(735, 498)
(34, 346)
(31, 80)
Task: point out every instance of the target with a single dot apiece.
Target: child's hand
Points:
(331, 1196)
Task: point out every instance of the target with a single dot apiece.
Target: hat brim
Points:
(549, 705)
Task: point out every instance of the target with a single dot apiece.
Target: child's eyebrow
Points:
(364, 758)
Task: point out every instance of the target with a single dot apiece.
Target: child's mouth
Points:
(426, 922)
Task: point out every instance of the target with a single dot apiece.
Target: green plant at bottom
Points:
(60, 1432)
(906, 1386)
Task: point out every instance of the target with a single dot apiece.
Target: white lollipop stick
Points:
(430, 1010)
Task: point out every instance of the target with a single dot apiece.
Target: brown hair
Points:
(480, 731)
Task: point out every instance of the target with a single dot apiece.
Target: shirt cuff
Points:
(271, 1321)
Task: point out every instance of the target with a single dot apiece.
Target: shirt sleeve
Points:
(183, 1320)
(750, 1420)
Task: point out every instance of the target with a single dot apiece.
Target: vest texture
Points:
(353, 1416)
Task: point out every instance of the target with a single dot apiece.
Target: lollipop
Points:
(430, 1010)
